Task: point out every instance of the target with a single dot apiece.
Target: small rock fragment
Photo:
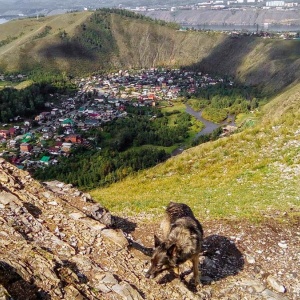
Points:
(275, 284)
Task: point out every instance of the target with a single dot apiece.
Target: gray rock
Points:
(250, 259)
(269, 295)
(109, 279)
(100, 214)
(47, 195)
(54, 203)
(255, 284)
(116, 236)
(275, 284)
(77, 193)
(102, 287)
(6, 198)
(283, 245)
(86, 197)
(77, 215)
(127, 291)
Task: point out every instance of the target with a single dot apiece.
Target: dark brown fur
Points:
(182, 241)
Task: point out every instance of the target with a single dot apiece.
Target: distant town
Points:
(227, 4)
(31, 9)
(54, 132)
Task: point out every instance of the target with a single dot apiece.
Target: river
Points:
(209, 126)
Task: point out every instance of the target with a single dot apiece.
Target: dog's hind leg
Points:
(195, 261)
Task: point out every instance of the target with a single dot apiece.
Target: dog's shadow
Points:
(221, 259)
(124, 224)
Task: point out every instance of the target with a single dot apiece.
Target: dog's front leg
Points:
(176, 271)
(195, 261)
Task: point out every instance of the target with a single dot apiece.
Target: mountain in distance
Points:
(252, 16)
(29, 7)
(248, 18)
(85, 42)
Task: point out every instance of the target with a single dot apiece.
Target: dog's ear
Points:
(172, 250)
(157, 241)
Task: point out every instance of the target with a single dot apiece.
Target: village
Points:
(54, 132)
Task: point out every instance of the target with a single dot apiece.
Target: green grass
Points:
(173, 111)
(16, 85)
(23, 84)
(252, 175)
(177, 105)
(4, 84)
(214, 114)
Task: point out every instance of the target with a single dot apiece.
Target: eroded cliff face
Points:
(53, 245)
(56, 243)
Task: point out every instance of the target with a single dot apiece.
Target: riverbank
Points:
(209, 126)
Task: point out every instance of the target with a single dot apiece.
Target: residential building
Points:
(25, 147)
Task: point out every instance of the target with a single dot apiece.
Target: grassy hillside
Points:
(81, 43)
(250, 175)
(27, 40)
(268, 63)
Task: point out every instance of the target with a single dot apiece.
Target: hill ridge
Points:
(87, 42)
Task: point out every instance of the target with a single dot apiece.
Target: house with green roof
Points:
(45, 160)
(68, 122)
(27, 137)
(81, 109)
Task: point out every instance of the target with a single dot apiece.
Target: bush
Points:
(214, 114)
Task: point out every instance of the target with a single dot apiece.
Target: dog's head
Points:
(162, 258)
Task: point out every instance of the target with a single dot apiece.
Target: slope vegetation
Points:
(250, 175)
(82, 43)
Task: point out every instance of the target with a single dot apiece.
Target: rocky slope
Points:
(56, 243)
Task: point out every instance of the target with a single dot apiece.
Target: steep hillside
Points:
(24, 42)
(81, 43)
(267, 63)
(250, 175)
(56, 243)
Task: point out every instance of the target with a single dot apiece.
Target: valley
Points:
(102, 116)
